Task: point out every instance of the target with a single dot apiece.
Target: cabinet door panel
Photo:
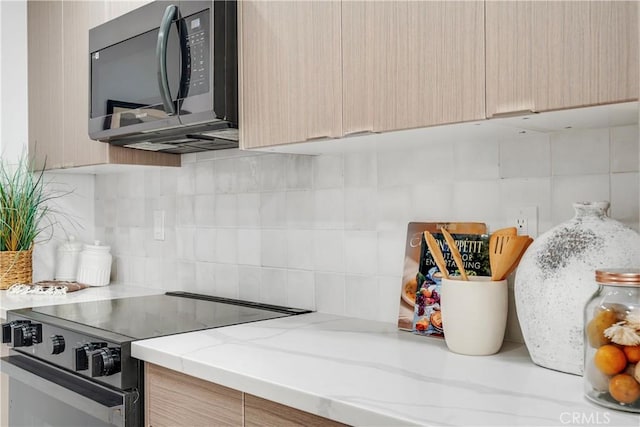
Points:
(79, 149)
(290, 72)
(260, 412)
(173, 398)
(546, 55)
(46, 92)
(412, 64)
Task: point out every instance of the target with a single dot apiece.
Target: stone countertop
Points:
(12, 302)
(369, 373)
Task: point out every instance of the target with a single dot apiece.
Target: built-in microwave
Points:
(163, 77)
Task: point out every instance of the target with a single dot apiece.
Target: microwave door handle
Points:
(161, 55)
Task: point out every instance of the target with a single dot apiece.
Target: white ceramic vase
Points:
(556, 278)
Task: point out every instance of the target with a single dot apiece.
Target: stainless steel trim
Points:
(114, 415)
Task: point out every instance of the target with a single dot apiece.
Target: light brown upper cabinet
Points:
(409, 64)
(58, 76)
(548, 55)
(290, 72)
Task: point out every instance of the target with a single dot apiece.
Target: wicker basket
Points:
(15, 267)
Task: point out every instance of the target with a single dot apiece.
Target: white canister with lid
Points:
(67, 257)
(94, 265)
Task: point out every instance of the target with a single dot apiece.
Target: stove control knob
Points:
(105, 362)
(81, 359)
(7, 329)
(27, 334)
(57, 344)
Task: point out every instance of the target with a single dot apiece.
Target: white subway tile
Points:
(476, 160)
(185, 243)
(137, 240)
(389, 289)
(361, 169)
(205, 244)
(625, 143)
(566, 190)
(299, 249)
(328, 250)
(301, 289)
(154, 272)
(249, 246)
(299, 172)
(204, 177)
(625, 191)
(400, 168)
(247, 177)
(225, 175)
(328, 171)
(329, 208)
(523, 192)
(525, 155)
(477, 201)
(390, 252)
(226, 245)
(248, 210)
(274, 248)
(137, 271)
(225, 210)
(226, 281)
(394, 208)
(249, 283)
(204, 210)
(186, 180)
(431, 201)
(273, 284)
(205, 278)
(152, 183)
(360, 208)
(330, 293)
(169, 181)
(185, 215)
(361, 252)
(361, 297)
(186, 275)
(300, 209)
(273, 209)
(580, 152)
(272, 172)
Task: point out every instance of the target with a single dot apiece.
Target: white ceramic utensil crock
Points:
(94, 265)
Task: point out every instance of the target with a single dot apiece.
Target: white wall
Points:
(13, 79)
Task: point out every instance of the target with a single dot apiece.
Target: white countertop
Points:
(12, 302)
(368, 373)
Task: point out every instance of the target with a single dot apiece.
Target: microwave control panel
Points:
(199, 47)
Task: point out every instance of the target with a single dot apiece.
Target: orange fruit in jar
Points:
(595, 328)
(624, 388)
(632, 352)
(610, 359)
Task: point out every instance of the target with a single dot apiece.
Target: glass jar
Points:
(612, 340)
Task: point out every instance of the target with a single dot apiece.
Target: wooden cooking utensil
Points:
(436, 253)
(509, 231)
(455, 253)
(517, 261)
(504, 253)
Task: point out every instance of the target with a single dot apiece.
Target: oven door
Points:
(40, 394)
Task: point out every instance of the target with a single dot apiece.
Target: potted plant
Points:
(23, 211)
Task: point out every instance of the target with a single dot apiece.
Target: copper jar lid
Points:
(618, 276)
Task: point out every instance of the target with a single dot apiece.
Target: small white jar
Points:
(67, 257)
(94, 265)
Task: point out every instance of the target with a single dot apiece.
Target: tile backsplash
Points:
(328, 232)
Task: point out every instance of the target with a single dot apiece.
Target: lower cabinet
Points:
(176, 399)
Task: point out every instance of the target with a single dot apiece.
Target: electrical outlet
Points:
(525, 219)
(158, 225)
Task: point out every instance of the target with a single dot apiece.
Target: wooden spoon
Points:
(436, 253)
(505, 254)
(455, 252)
(517, 261)
(509, 231)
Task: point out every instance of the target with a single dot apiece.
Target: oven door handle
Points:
(100, 402)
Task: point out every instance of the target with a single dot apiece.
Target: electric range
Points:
(82, 351)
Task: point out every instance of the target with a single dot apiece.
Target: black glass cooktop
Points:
(159, 315)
